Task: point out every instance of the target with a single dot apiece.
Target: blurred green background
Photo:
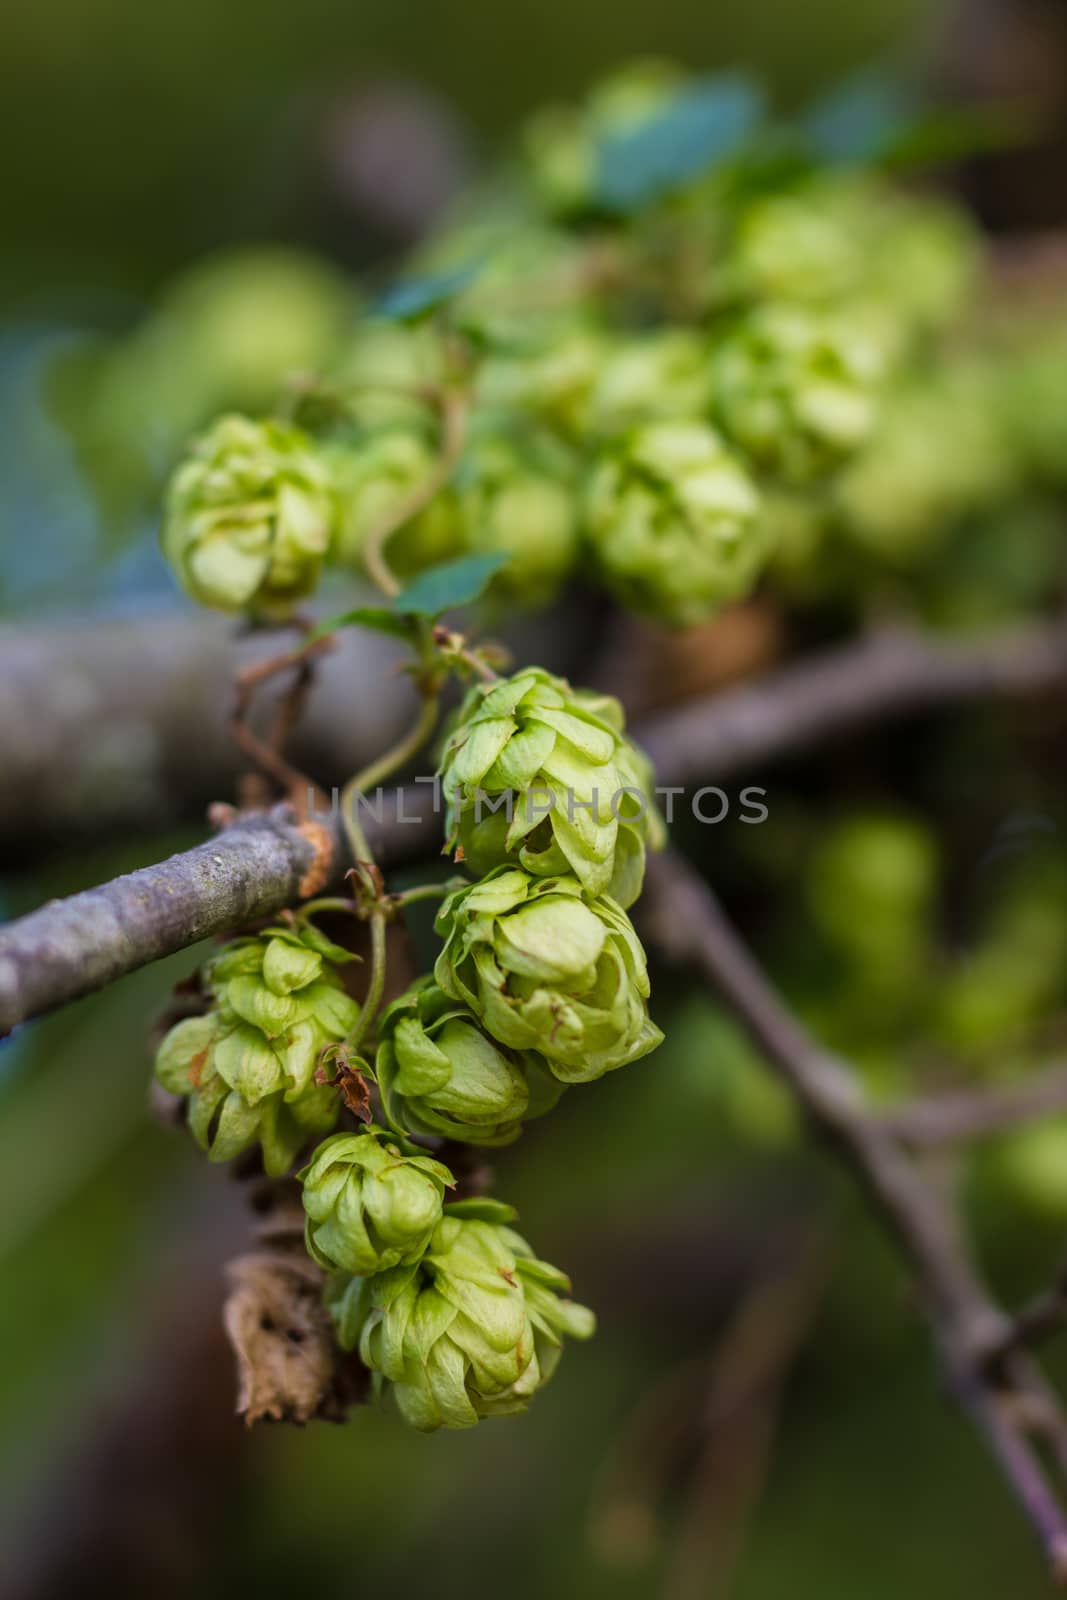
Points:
(137, 139)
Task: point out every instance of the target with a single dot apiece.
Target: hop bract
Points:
(546, 966)
(440, 1073)
(248, 1066)
(543, 774)
(472, 1330)
(370, 1204)
(673, 519)
(249, 517)
(798, 391)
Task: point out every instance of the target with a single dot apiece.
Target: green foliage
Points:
(420, 297)
(699, 127)
(453, 584)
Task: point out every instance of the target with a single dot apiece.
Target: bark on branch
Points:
(71, 947)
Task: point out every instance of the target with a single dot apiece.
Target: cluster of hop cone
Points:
(541, 982)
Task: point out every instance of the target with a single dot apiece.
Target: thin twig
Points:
(158, 690)
(883, 674)
(453, 405)
(1006, 1401)
(954, 1118)
(1044, 1316)
(268, 755)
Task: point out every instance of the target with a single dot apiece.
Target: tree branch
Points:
(1004, 1397)
(70, 947)
(970, 1113)
(124, 725)
(67, 949)
(256, 866)
(882, 675)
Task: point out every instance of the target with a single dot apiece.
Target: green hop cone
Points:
(805, 245)
(849, 242)
(520, 501)
(673, 520)
(938, 456)
(543, 774)
(550, 374)
(370, 1204)
(248, 1067)
(472, 1330)
(665, 374)
(798, 392)
(249, 517)
(372, 476)
(386, 371)
(439, 1073)
(546, 966)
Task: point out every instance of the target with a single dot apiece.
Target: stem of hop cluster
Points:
(365, 867)
(453, 407)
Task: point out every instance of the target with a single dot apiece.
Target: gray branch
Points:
(999, 1387)
(884, 675)
(72, 947)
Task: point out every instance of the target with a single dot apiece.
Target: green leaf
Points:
(874, 117)
(419, 297)
(454, 583)
(699, 128)
(380, 618)
(859, 117)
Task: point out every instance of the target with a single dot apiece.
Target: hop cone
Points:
(249, 517)
(473, 1330)
(546, 966)
(370, 1205)
(439, 1073)
(520, 502)
(248, 1066)
(531, 742)
(939, 456)
(660, 375)
(550, 374)
(673, 520)
(796, 391)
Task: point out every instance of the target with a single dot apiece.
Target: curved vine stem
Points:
(365, 868)
(454, 407)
